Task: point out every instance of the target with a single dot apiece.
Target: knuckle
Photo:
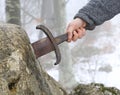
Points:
(72, 25)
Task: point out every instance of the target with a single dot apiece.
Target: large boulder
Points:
(20, 72)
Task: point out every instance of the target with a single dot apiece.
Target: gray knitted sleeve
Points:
(98, 11)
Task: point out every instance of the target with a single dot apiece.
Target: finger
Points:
(75, 37)
(70, 35)
(81, 32)
(70, 30)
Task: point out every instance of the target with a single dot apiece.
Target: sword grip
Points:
(60, 39)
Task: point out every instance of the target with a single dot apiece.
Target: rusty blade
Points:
(44, 46)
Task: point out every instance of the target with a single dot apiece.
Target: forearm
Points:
(98, 11)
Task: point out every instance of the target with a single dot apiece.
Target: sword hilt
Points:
(52, 39)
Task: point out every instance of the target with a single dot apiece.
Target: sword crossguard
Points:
(52, 39)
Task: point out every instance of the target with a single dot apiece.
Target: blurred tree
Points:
(30, 17)
(53, 16)
(13, 12)
(30, 11)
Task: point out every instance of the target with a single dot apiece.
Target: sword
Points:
(48, 44)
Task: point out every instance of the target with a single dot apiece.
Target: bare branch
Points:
(26, 12)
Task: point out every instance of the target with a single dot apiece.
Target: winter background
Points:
(105, 67)
(102, 45)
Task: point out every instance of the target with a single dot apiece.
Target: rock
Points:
(20, 72)
(94, 89)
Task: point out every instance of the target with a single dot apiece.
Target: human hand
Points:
(76, 29)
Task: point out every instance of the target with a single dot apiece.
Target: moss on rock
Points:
(94, 89)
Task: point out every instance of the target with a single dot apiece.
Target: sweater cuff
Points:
(89, 23)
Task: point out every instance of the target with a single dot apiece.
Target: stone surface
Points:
(94, 89)
(20, 72)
